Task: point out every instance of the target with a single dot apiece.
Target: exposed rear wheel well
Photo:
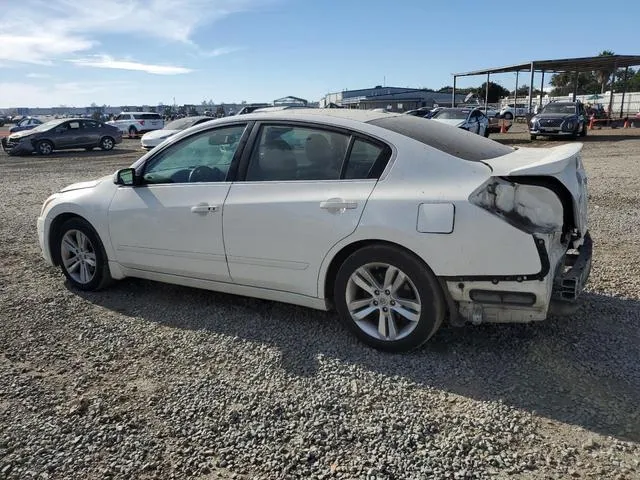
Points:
(54, 234)
(342, 255)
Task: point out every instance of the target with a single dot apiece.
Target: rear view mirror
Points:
(125, 176)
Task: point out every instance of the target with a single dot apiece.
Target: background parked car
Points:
(137, 122)
(61, 135)
(559, 119)
(26, 123)
(509, 112)
(152, 139)
(472, 120)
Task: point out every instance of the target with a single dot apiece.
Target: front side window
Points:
(284, 152)
(203, 157)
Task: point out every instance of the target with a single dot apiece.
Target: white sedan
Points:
(155, 137)
(396, 222)
(469, 119)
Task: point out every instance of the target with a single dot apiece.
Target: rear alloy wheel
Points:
(82, 256)
(107, 143)
(388, 298)
(132, 132)
(44, 147)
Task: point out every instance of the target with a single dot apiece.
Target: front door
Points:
(298, 198)
(172, 223)
(71, 135)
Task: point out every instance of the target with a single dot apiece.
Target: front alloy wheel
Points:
(389, 298)
(78, 256)
(82, 257)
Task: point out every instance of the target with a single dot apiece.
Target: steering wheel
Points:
(203, 173)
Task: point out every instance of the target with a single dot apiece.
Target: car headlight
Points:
(569, 125)
(530, 208)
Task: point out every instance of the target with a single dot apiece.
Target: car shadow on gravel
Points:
(583, 369)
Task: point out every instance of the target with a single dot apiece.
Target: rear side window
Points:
(147, 116)
(450, 140)
(366, 160)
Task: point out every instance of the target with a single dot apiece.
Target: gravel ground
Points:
(147, 380)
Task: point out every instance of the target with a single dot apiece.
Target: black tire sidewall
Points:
(102, 276)
(433, 306)
(132, 131)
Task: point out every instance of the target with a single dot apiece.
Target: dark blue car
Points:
(25, 124)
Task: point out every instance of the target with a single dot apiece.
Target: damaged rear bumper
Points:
(528, 298)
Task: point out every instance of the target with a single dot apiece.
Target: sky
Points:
(134, 52)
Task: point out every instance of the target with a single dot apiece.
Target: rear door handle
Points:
(204, 208)
(338, 204)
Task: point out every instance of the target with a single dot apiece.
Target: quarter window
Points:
(285, 152)
(366, 160)
(203, 157)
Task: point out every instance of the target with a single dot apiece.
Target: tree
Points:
(603, 75)
(565, 82)
(496, 92)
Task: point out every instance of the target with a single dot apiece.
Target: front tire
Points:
(583, 132)
(533, 137)
(389, 298)
(44, 147)
(82, 257)
(107, 143)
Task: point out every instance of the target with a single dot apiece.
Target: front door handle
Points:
(204, 208)
(337, 205)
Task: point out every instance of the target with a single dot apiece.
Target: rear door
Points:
(302, 188)
(91, 130)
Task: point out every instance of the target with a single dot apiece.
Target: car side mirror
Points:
(125, 176)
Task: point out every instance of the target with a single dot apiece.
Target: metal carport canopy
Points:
(580, 64)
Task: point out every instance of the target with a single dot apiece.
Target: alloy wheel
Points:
(383, 301)
(78, 256)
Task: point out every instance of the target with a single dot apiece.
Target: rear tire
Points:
(508, 116)
(44, 147)
(82, 257)
(107, 143)
(389, 298)
(132, 132)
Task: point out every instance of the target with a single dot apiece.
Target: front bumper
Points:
(547, 132)
(524, 301)
(41, 227)
(21, 148)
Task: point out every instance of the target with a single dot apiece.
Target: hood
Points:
(89, 184)
(22, 133)
(158, 134)
(453, 122)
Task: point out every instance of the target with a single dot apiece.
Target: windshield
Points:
(560, 108)
(452, 115)
(181, 123)
(46, 126)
